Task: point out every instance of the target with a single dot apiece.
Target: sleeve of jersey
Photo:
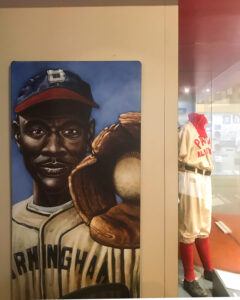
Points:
(184, 143)
(123, 267)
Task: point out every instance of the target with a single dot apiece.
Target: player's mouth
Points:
(53, 169)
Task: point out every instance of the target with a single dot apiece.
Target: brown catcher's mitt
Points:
(113, 168)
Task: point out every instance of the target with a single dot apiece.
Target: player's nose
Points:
(53, 145)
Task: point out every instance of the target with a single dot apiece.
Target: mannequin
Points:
(195, 200)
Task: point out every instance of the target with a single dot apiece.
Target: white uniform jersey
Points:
(53, 254)
(193, 149)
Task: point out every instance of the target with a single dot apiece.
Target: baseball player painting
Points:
(77, 234)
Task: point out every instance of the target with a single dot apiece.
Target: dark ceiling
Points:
(209, 39)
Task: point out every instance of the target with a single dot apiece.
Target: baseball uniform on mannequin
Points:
(195, 199)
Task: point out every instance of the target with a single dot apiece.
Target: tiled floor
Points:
(204, 283)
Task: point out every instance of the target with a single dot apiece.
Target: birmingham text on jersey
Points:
(57, 258)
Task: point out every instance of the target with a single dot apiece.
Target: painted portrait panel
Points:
(75, 179)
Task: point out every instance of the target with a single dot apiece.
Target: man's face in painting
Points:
(53, 138)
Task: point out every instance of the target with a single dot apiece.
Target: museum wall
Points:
(148, 34)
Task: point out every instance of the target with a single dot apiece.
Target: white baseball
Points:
(127, 176)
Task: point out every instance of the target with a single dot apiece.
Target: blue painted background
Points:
(116, 87)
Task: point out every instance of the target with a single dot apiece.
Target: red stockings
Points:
(186, 251)
(204, 253)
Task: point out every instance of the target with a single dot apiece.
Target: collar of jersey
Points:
(46, 209)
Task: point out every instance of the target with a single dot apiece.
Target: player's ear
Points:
(16, 132)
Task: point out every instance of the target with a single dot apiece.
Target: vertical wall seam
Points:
(164, 151)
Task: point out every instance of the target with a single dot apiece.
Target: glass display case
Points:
(209, 84)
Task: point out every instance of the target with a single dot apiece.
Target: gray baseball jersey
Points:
(54, 254)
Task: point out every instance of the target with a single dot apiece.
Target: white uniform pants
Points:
(195, 206)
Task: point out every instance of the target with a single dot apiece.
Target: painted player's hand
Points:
(112, 172)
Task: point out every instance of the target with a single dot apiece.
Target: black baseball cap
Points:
(54, 85)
